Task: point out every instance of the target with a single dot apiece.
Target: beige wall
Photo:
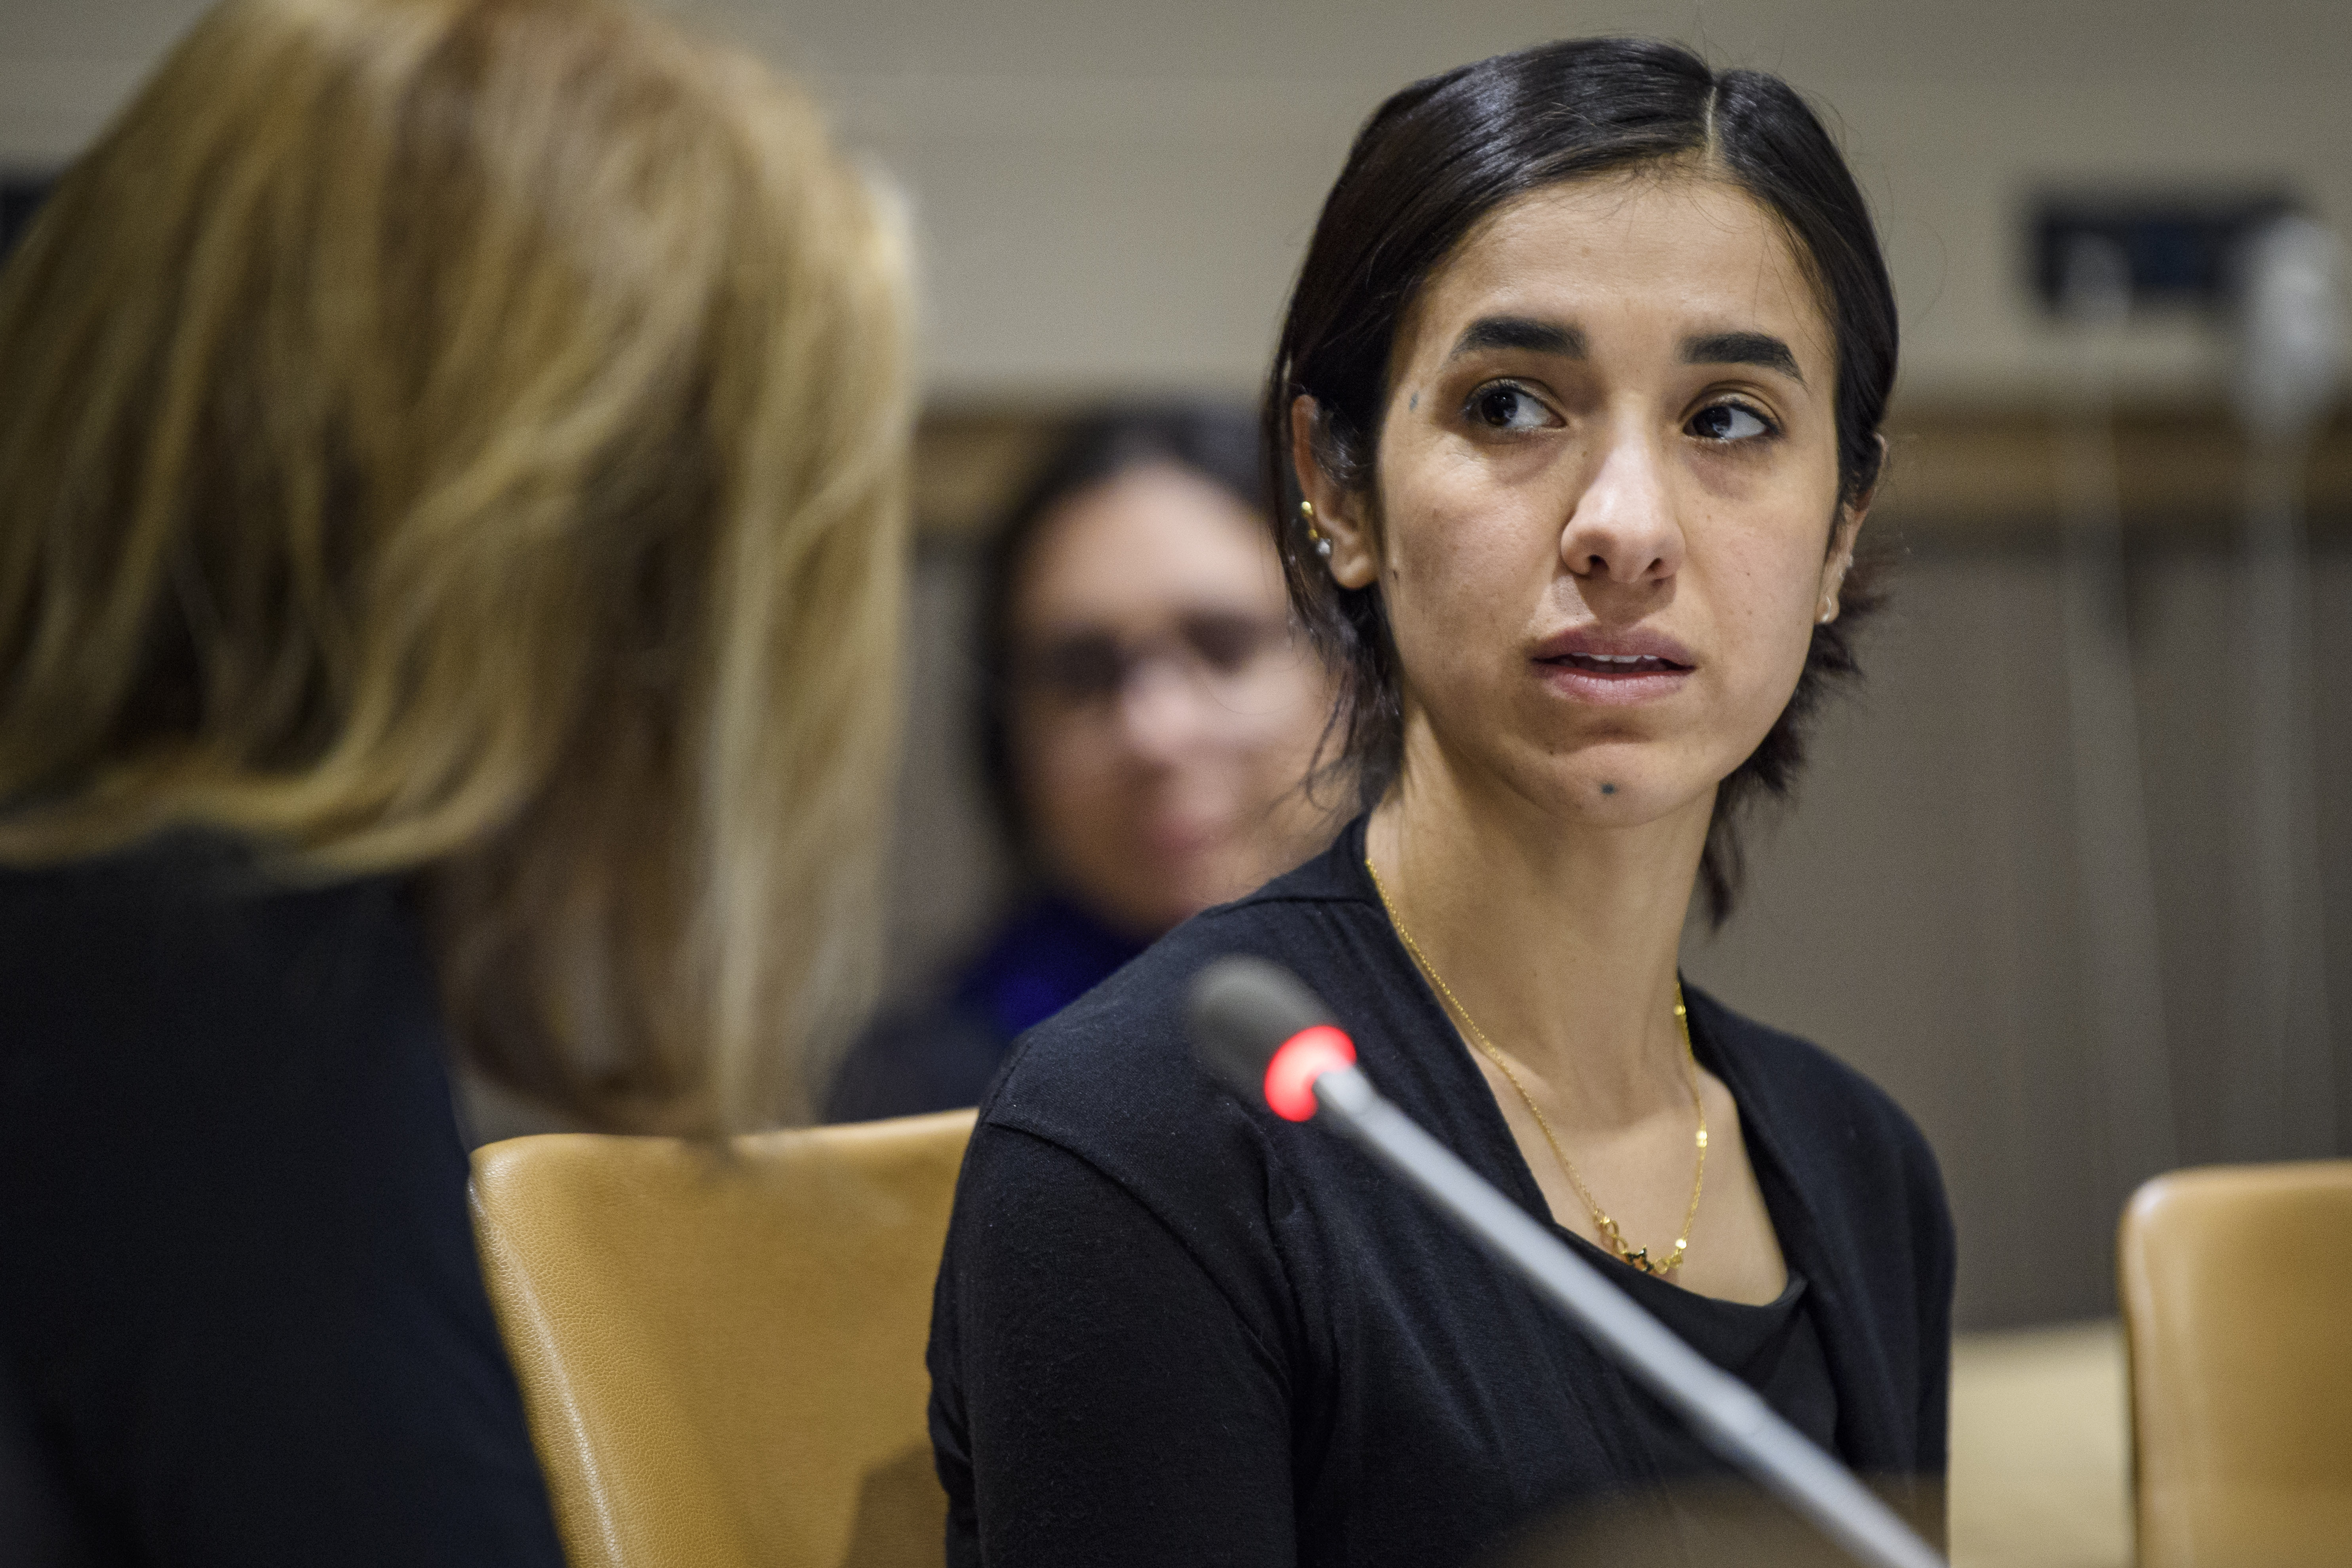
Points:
(1112, 194)
(1922, 914)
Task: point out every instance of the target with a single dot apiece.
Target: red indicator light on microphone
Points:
(1298, 1062)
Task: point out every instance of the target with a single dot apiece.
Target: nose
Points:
(1161, 712)
(1623, 529)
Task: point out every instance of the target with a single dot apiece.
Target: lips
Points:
(1613, 668)
(1613, 649)
(1619, 664)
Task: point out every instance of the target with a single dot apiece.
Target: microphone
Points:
(1259, 1029)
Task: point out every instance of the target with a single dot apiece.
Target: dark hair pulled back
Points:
(1443, 155)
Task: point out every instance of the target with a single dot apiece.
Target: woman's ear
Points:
(1354, 560)
(1842, 542)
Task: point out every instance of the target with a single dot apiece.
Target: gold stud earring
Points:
(1322, 545)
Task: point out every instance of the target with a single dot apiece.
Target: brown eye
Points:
(1727, 422)
(1504, 406)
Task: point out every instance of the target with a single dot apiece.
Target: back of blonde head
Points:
(465, 438)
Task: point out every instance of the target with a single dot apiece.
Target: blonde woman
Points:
(451, 465)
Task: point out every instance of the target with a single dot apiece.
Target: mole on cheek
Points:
(1413, 403)
(1608, 789)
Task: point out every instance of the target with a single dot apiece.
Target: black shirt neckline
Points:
(1796, 1224)
(1495, 1129)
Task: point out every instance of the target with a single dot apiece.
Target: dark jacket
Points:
(241, 1320)
(941, 1057)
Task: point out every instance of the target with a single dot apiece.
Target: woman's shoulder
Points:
(179, 972)
(1123, 1043)
(1816, 1109)
(190, 911)
(231, 1149)
(1110, 1080)
(188, 879)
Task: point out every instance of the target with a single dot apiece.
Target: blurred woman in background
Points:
(1147, 727)
(451, 472)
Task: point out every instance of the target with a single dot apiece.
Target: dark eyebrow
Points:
(1758, 349)
(1520, 332)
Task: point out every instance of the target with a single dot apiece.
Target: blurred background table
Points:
(2040, 1455)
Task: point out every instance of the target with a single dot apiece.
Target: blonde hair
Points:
(466, 438)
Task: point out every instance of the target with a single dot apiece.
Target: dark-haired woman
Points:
(1581, 383)
(1147, 715)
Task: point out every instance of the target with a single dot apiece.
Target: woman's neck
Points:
(1558, 936)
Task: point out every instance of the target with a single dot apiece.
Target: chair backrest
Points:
(2237, 1294)
(721, 1346)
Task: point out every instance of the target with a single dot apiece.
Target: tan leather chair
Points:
(721, 1347)
(2237, 1294)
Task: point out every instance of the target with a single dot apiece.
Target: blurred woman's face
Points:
(1162, 716)
(1607, 514)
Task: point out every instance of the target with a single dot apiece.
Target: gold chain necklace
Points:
(1637, 1256)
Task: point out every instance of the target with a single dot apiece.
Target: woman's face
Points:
(1162, 716)
(1607, 514)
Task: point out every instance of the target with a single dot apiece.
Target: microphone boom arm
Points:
(1725, 1412)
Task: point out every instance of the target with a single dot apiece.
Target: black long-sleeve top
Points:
(1170, 1328)
(241, 1318)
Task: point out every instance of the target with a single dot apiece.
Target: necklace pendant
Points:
(1632, 1257)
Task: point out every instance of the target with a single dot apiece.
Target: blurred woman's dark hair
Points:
(1443, 155)
(1216, 442)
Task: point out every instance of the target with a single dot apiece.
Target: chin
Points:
(1630, 806)
(1622, 783)
(1618, 797)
